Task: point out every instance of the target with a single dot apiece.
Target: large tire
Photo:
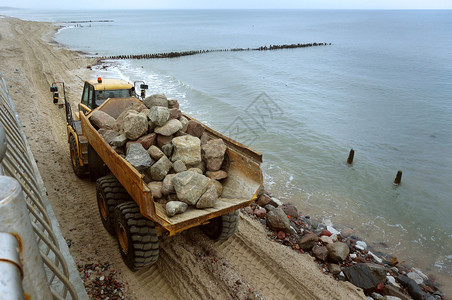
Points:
(95, 165)
(109, 193)
(137, 238)
(222, 227)
(80, 171)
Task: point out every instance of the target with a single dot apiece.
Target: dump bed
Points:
(240, 188)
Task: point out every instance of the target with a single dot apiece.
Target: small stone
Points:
(159, 170)
(360, 245)
(377, 296)
(195, 128)
(179, 166)
(155, 152)
(168, 149)
(138, 157)
(204, 138)
(269, 207)
(325, 232)
(175, 207)
(280, 235)
(158, 115)
(320, 252)
(102, 119)
(209, 198)
(416, 277)
(334, 269)
(337, 251)
(291, 211)
(378, 271)
(184, 122)
(347, 232)
(170, 127)
(217, 175)
(156, 100)
(308, 240)
(135, 125)
(156, 188)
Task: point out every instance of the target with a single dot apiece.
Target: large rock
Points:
(179, 166)
(195, 128)
(308, 240)
(163, 140)
(158, 115)
(147, 140)
(184, 122)
(156, 100)
(320, 252)
(155, 152)
(334, 269)
(187, 149)
(213, 154)
(135, 125)
(217, 175)
(138, 157)
(190, 186)
(170, 128)
(218, 186)
(209, 198)
(413, 288)
(109, 135)
(290, 211)
(156, 189)
(361, 276)
(174, 113)
(175, 207)
(378, 271)
(173, 103)
(266, 199)
(277, 220)
(167, 185)
(102, 120)
(119, 140)
(338, 251)
(159, 170)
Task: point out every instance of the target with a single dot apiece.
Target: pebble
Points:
(361, 245)
(416, 277)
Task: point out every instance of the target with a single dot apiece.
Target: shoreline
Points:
(79, 72)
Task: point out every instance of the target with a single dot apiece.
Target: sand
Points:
(190, 265)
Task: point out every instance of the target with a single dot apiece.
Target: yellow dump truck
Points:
(126, 205)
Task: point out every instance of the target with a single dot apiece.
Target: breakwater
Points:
(196, 52)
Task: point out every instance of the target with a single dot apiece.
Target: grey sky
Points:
(231, 4)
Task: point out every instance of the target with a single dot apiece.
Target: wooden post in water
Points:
(398, 178)
(351, 156)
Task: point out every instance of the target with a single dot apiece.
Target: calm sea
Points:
(383, 88)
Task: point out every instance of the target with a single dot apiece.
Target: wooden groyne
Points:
(196, 52)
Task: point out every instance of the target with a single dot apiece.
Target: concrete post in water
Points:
(351, 155)
(398, 178)
(15, 220)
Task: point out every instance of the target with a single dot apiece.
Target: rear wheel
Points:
(80, 171)
(109, 193)
(95, 164)
(137, 238)
(222, 227)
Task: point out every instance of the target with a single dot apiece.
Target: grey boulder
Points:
(190, 186)
(175, 207)
(138, 157)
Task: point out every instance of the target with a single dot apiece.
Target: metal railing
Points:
(16, 161)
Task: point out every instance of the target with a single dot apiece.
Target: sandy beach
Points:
(248, 265)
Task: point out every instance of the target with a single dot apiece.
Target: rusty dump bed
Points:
(239, 189)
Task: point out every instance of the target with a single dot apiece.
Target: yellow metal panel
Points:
(110, 84)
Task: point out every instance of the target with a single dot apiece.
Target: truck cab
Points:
(95, 92)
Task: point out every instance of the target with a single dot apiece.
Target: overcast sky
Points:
(231, 4)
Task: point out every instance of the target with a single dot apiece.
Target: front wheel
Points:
(137, 238)
(222, 227)
(80, 171)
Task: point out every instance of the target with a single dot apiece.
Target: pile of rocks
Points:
(181, 165)
(342, 254)
(99, 283)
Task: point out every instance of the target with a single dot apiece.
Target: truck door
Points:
(87, 103)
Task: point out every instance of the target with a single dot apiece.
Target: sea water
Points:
(383, 88)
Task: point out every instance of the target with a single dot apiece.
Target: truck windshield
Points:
(103, 95)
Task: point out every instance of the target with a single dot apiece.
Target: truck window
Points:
(85, 95)
(90, 97)
(103, 95)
